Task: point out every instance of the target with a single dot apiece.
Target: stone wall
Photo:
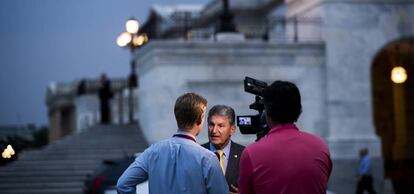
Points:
(354, 32)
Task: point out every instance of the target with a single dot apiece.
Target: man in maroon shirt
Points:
(286, 160)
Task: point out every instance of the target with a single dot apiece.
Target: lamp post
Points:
(131, 39)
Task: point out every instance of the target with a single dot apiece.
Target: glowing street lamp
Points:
(123, 39)
(398, 75)
(132, 26)
(131, 39)
(8, 152)
(139, 40)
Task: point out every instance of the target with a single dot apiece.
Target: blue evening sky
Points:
(60, 40)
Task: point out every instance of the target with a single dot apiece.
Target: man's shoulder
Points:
(206, 145)
(189, 146)
(163, 142)
(234, 145)
(205, 155)
(314, 138)
(237, 146)
(201, 150)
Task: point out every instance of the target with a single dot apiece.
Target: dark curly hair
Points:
(282, 102)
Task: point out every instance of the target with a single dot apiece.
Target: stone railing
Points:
(296, 29)
(73, 107)
(279, 29)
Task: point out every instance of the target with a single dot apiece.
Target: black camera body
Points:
(254, 124)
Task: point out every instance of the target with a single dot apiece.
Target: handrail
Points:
(57, 91)
(294, 29)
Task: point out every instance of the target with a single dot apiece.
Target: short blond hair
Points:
(188, 109)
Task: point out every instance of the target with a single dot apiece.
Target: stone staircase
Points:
(62, 166)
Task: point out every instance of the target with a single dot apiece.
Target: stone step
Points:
(61, 162)
(34, 179)
(63, 166)
(71, 190)
(130, 148)
(49, 167)
(99, 145)
(112, 137)
(46, 173)
(101, 142)
(120, 145)
(75, 157)
(44, 162)
(105, 132)
(98, 133)
(94, 136)
(86, 146)
(48, 185)
(82, 152)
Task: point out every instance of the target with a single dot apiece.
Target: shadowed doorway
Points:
(393, 103)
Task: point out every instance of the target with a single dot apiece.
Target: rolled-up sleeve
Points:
(135, 174)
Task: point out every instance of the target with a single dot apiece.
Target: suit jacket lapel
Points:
(232, 163)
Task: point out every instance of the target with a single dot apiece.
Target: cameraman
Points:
(286, 160)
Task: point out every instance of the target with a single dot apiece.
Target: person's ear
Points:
(200, 119)
(233, 129)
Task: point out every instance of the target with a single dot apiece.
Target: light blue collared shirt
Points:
(175, 165)
(226, 153)
(365, 166)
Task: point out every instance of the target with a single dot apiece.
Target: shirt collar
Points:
(226, 149)
(186, 133)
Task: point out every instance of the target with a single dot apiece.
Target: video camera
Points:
(254, 124)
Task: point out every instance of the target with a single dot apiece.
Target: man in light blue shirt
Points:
(364, 173)
(178, 164)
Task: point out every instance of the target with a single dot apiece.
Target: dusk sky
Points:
(42, 41)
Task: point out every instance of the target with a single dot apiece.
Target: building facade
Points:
(340, 53)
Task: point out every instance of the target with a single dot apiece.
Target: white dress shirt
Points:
(226, 153)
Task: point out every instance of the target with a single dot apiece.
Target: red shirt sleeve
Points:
(246, 170)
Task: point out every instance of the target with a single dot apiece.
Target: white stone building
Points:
(340, 53)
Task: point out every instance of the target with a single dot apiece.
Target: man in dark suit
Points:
(221, 126)
(105, 94)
